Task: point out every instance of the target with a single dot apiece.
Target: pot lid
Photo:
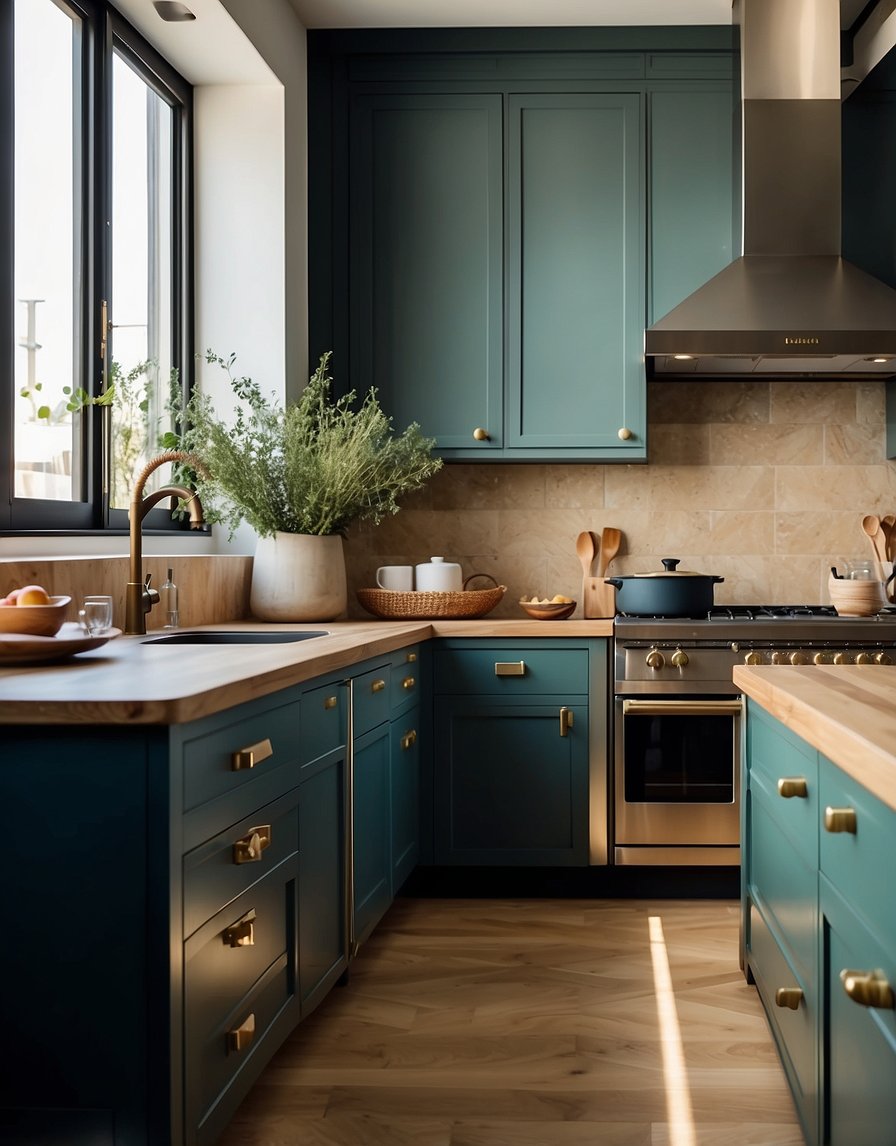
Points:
(669, 570)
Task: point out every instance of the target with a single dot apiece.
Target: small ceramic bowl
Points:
(34, 620)
(558, 611)
(856, 598)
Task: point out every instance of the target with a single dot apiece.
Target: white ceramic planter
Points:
(298, 577)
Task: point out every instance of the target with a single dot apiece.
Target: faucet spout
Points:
(139, 598)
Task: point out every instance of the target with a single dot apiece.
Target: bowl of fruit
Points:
(32, 612)
(556, 608)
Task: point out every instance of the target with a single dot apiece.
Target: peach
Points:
(33, 595)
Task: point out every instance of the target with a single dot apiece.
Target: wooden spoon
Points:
(888, 525)
(586, 551)
(610, 541)
(871, 526)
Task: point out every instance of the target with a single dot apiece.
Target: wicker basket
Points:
(421, 606)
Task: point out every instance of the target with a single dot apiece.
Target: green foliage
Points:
(314, 467)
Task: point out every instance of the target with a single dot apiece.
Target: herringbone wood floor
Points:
(530, 1023)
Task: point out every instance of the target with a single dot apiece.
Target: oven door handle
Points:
(682, 707)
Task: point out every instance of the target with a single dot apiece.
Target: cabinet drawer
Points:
(370, 697)
(404, 678)
(223, 868)
(324, 724)
(230, 757)
(859, 863)
(794, 1030)
(784, 771)
(519, 671)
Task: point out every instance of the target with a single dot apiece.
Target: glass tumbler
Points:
(96, 615)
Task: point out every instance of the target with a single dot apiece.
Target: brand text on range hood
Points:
(791, 306)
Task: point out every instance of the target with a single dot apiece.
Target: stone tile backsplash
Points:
(763, 483)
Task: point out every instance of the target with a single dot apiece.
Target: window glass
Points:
(45, 303)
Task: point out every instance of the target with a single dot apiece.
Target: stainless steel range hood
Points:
(791, 306)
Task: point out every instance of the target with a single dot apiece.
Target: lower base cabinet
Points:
(820, 933)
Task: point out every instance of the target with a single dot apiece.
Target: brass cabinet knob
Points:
(241, 933)
(510, 668)
(624, 433)
(679, 659)
(840, 820)
(864, 659)
(868, 989)
(409, 739)
(408, 683)
(798, 659)
(753, 658)
(790, 997)
(378, 686)
(481, 434)
(330, 701)
(790, 786)
(241, 1037)
(410, 658)
(566, 720)
(249, 849)
(251, 755)
(883, 659)
(655, 659)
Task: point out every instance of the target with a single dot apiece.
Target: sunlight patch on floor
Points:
(678, 1096)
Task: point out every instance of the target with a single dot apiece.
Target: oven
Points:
(677, 719)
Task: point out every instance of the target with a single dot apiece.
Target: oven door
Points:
(677, 780)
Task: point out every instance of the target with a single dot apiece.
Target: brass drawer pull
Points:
(410, 658)
(241, 933)
(868, 989)
(241, 1037)
(331, 702)
(788, 997)
(249, 848)
(566, 720)
(378, 686)
(251, 755)
(409, 739)
(408, 682)
(790, 786)
(510, 668)
(840, 820)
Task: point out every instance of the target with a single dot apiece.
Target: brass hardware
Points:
(868, 989)
(882, 659)
(251, 755)
(820, 659)
(510, 668)
(682, 707)
(840, 820)
(408, 682)
(249, 848)
(410, 658)
(624, 433)
(566, 720)
(654, 659)
(104, 328)
(798, 659)
(378, 686)
(864, 659)
(242, 1036)
(788, 997)
(679, 659)
(330, 702)
(779, 658)
(241, 933)
(753, 658)
(790, 786)
(409, 739)
(841, 659)
(481, 435)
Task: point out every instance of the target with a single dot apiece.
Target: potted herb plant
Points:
(300, 474)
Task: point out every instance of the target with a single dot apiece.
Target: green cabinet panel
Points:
(576, 232)
(692, 196)
(426, 261)
(371, 836)
(405, 795)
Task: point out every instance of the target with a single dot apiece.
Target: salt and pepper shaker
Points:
(168, 601)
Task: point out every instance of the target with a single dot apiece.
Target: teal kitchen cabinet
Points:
(516, 729)
(820, 934)
(405, 732)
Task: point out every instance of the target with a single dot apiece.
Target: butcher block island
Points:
(819, 909)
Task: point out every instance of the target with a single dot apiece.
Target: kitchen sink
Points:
(234, 638)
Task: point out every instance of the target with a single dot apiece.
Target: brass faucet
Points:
(140, 598)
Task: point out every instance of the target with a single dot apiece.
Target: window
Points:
(95, 320)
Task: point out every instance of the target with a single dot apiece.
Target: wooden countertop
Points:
(848, 712)
(129, 682)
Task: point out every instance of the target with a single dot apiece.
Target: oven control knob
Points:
(821, 659)
(799, 658)
(882, 659)
(842, 659)
(780, 659)
(864, 659)
(655, 659)
(753, 658)
(679, 658)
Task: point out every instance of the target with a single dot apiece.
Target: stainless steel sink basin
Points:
(233, 638)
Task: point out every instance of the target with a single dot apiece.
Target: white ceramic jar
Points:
(438, 576)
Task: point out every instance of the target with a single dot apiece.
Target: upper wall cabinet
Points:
(491, 230)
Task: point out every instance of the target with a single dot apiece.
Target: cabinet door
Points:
(509, 788)
(426, 262)
(576, 283)
(371, 851)
(405, 791)
(692, 208)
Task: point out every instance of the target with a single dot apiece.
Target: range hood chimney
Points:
(791, 306)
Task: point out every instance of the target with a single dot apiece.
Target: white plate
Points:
(22, 649)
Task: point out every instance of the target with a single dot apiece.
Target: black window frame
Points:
(103, 30)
